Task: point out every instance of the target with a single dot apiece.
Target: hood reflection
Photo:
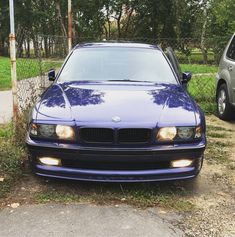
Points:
(83, 97)
(172, 97)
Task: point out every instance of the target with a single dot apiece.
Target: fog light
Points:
(50, 161)
(181, 163)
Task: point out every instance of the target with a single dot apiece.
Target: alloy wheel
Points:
(222, 101)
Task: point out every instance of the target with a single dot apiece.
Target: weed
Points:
(217, 128)
(217, 135)
(11, 158)
(217, 152)
(141, 195)
(56, 197)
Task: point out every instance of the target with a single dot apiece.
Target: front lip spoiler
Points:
(177, 147)
(115, 175)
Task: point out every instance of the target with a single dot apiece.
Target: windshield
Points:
(121, 64)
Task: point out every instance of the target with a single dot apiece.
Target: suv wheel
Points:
(224, 108)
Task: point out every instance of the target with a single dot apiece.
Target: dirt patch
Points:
(215, 192)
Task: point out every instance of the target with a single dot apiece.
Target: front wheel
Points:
(224, 108)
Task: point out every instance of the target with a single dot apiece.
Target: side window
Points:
(231, 50)
(174, 62)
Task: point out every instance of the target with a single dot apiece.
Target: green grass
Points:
(5, 132)
(217, 128)
(202, 89)
(11, 157)
(5, 73)
(56, 197)
(141, 195)
(217, 152)
(26, 68)
(217, 135)
(198, 68)
(195, 57)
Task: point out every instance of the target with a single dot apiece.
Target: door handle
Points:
(230, 67)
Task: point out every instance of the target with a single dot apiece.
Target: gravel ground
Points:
(214, 193)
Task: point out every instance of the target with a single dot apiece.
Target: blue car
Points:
(117, 112)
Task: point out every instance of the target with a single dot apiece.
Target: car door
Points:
(230, 64)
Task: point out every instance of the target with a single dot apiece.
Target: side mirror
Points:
(186, 77)
(51, 74)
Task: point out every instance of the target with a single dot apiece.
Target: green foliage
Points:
(222, 18)
(116, 19)
(194, 57)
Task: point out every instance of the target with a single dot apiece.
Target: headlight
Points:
(47, 130)
(178, 133)
(42, 130)
(52, 131)
(185, 132)
(166, 134)
(64, 132)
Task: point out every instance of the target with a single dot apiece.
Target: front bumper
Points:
(116, 164)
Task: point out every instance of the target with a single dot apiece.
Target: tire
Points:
(224, 108)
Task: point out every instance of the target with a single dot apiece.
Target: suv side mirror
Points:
(186, 77)
(51, 74)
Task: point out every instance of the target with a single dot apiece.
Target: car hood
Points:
(135, 103)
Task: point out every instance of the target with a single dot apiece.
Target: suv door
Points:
(225, 90)
(230, 64)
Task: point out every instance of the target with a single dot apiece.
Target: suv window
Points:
(231, 50)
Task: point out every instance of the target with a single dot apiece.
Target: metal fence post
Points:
(69, 25)
(13, 61)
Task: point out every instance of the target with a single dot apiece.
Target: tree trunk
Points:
(20, 41)
(28, 47)
(128, 20)
(35, 46)
(45, 46)
(63, 29)
(203, 37)
(119, 23)
(107, 31)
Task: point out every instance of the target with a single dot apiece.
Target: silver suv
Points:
(225, 83)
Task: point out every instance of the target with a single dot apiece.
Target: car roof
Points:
(117, 44)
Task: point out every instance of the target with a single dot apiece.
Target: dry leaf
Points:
(1, 179)
(15, 205)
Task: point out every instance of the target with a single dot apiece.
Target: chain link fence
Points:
(37, 57)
